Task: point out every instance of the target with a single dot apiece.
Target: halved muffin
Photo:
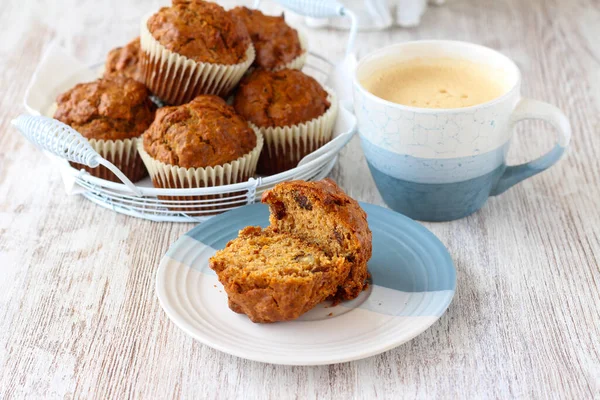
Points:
(273, 276)
(320, 213)
(316, 248)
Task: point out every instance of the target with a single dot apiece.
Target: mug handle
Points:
(534, 109)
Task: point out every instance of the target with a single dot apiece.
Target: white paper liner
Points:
(176, 79)
(286, 146)
(122, 153)
(171, 176)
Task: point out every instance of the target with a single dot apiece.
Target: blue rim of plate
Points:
(413, 283)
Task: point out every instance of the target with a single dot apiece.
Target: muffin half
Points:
(191, 48)
(277, 45)
(272, 276)
(199, 144)
(112, 113)
(294, 113)
(320, 213)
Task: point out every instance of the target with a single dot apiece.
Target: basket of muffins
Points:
(205, 110)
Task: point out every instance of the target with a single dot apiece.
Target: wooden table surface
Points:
(78, 312)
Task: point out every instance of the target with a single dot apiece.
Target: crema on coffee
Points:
(436, 83)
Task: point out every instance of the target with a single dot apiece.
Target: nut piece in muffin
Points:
(272, 276)
(201, 143)
(124, 61)
(292, 110)
(277, 44)
(320, 213)
(111, 113)
(193, 47)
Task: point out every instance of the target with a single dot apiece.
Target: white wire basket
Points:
(58, 72)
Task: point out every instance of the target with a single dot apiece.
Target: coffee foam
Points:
(437, 83)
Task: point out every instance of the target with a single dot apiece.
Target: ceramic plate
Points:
(413, 283)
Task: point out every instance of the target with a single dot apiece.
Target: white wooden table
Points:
(78, 313)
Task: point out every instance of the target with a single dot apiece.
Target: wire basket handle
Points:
(321, 9)
(65, 142)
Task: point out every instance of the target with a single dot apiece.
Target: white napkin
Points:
(57, 70)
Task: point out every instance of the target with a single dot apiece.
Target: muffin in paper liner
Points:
(176, 79)
(286, 146)
(272, 31)
(298, 62)
(122, 153)
(174, 177)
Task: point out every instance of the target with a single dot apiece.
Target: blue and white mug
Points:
(443, 164)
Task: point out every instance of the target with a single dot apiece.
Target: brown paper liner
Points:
(176, 79)
(286, 146)
(174, 177)
(123, 154)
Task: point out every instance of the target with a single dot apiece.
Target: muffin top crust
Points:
(205, 132)
(124, 61)
(275, 42)
(201, 31)
(280, 98)
(113, 108)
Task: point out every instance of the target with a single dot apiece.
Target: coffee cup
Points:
(441, 164)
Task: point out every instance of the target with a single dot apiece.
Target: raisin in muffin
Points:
(198, 144)
(295, 114)
(272, 276)
(277, 44)
(124, 61)
(193, 47)
(112, 113)
(322, 214)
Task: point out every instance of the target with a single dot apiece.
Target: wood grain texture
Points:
(78, 313)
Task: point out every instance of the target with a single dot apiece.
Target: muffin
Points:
(294, 113)
(316, 247)
(277, 45)
(124, 61)
(320, 213)
(112, 113)
(273, 276)
(199, 144)
(191, 48)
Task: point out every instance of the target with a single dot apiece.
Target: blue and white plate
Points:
(413, 283)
